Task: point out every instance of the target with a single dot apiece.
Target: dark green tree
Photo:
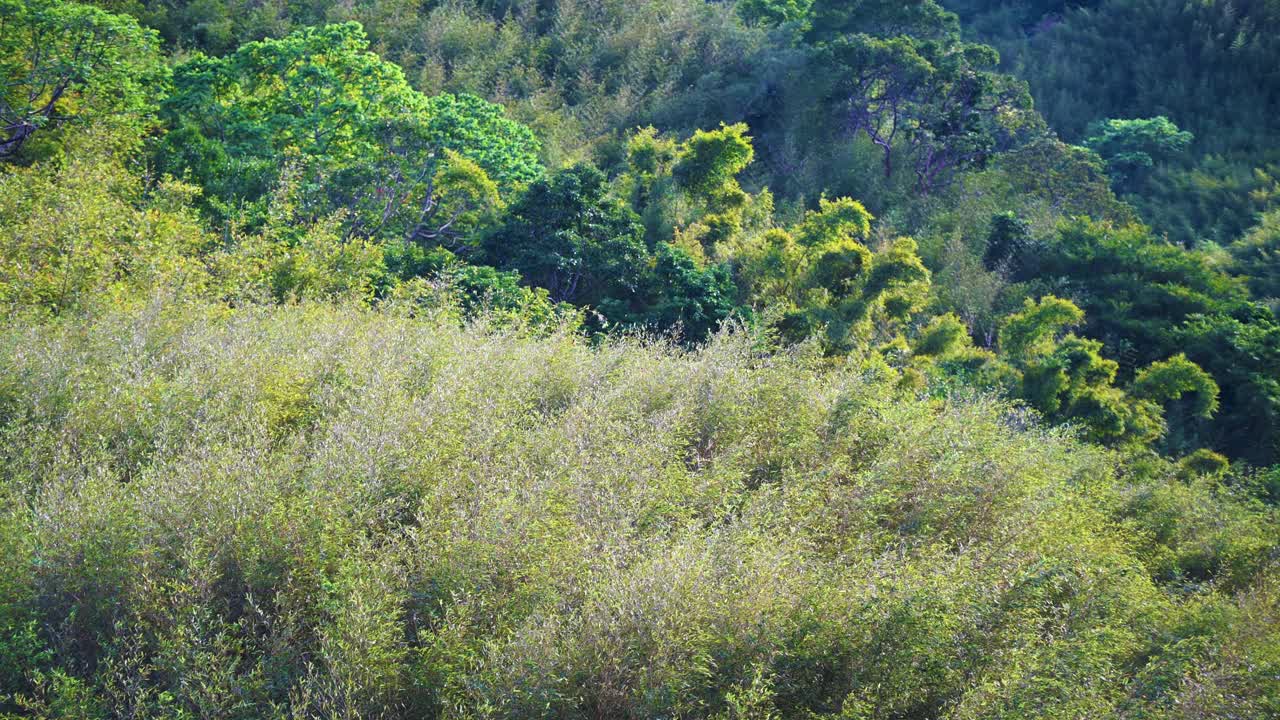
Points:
(1242, 353)
(1147, 300)
(921, 19)
(568, 234)
(1134, 287)
(1007, 240)
(907, 82)
(678, 295)
(774, 12)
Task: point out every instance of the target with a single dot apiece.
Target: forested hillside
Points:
(647, 359)
(1207, 67)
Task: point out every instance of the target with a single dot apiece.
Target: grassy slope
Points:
(364, 514)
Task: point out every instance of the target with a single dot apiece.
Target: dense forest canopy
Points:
(662, 358)
(1208, 67)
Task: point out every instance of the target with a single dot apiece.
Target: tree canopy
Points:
(67, 64)
(365, 141)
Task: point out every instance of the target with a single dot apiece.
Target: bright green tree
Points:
(366, 141)
(830, 284)
(688, 192)
(83, 231)
(713, 158)
(1035, 332)
(64, 64)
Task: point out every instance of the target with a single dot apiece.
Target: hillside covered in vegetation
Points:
(655, 359)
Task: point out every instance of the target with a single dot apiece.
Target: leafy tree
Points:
(570, 234)
(688, 192)
(1071, 179)
(1203, 463)
(945, 335)
(712, 159)
(1007, 240)
(769, 268)
(649, 155)
(1134, 287)
(478, 288)
(783, 266)
(65, 63)
(482, 132)
(842, 219)
(1068, 380)
(1148, 300)
(567, 234)
(469, 200)
(906, 81)
(831, 284)
(367, 142)
(1241, 354)
(923, 19)
(1132, 148)
(82, 231)
(678, 294)
(774, 12)
(1035, 332)
(1066, 377)
(1257, 257)
(1171, 379)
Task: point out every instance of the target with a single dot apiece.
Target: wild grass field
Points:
(329, 511)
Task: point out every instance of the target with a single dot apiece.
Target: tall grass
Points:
(319, 511)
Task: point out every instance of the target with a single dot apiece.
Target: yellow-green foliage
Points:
(712, 158)
(1065, 377)
(81, 229)
(687, 193)
(829, 283)
(320, 511)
